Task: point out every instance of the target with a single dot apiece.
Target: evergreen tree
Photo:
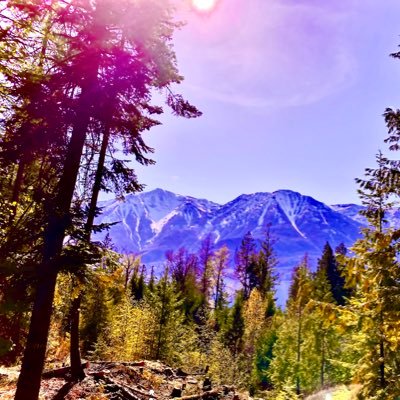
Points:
(373, 272)
(263, 358)
(245, 264)
(169, 318)
(152, 281)
(266, 264)
(84, 79)
(221, 261)
(324, 338)
(183, 268)
(341, 250)
(236, 326)
(323, 287)
(137, 283)
(329, 283)
(290, 365)
(206, 255)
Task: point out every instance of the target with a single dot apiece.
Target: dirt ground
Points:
(148, 380)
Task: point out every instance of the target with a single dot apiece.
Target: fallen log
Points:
(126, 389)
(125, 363)
(60, 372)
(212, 394)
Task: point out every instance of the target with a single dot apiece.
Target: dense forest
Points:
(80, 80)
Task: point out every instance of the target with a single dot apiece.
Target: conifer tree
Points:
(137, 283)
(236, 326)
(322, 282)
(322, 323)
(264, 356)
(183, 268)
(266, 264)
(82, 70)
(206, 255)
(245, 264)
(167, 308)
(336, 280)
(221, 261)
(290, 365)
(152, 281)
(373, 272)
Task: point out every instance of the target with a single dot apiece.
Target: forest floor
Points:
(149, 380)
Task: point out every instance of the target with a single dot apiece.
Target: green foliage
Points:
(263, 358)
(306, 339)
(373, 272)
(330, 281)
(245, 264)
(183, 268)
(235, 326)
(127, 334)
(168, 329)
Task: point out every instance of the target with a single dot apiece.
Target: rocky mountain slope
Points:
(153, 222)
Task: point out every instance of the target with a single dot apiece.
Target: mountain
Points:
(153, 222)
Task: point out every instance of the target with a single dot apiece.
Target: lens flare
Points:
(204, 5)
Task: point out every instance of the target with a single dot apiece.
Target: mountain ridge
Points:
(159, 220)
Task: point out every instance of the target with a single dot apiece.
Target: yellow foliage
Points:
(223, 366)
(153, 379)
(254, 315)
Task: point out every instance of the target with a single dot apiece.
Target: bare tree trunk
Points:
(77, 370)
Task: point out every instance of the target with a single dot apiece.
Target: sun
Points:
(204, 5)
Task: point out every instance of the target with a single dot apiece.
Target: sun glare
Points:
(204, 5)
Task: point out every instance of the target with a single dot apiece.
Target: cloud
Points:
(268, 53)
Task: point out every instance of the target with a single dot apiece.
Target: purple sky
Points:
(292, 93)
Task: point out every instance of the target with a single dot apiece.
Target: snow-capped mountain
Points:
(153, 222)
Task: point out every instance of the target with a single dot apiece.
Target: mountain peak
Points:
(158, 220)
(287, 192)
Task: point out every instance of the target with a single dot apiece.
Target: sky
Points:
(292, 94)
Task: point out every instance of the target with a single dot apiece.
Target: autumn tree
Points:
(221, 263)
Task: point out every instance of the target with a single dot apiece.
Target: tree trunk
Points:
(298, 391)
(97, 182)
(382, 355)
(28, 385)
(77, 370)
(322, 372)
